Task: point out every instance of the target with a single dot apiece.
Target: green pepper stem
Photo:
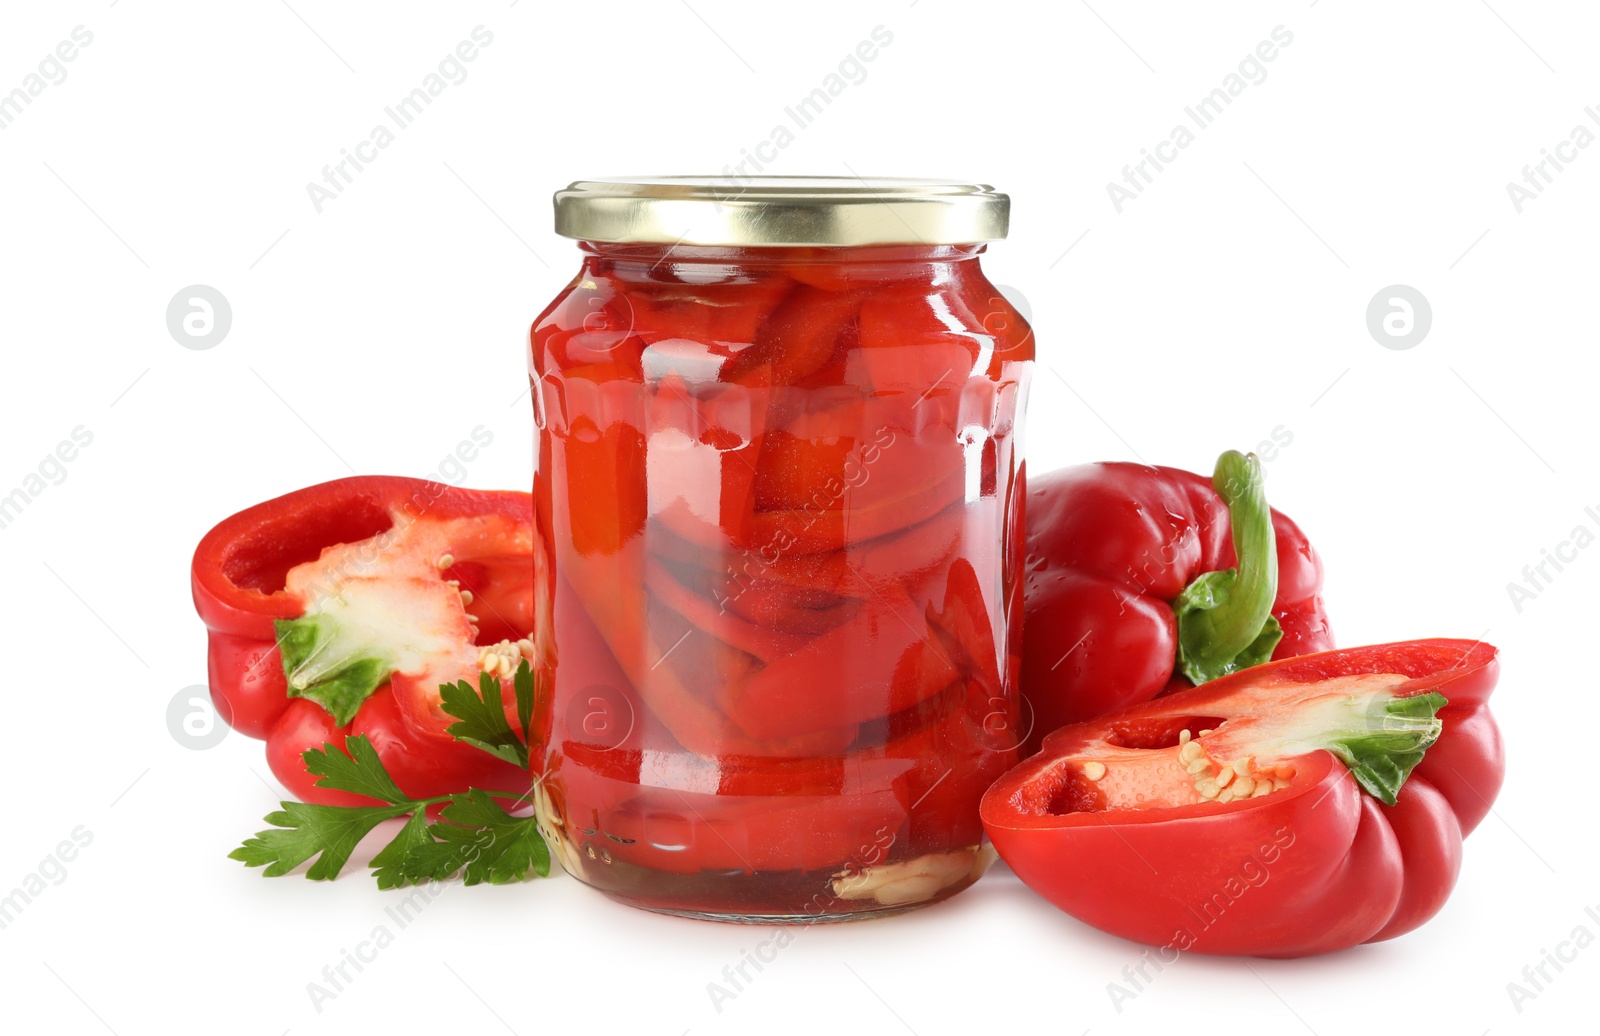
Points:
(1225, 620)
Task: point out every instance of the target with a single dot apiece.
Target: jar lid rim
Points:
(791, 211)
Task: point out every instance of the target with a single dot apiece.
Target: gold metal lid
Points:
(781, 211)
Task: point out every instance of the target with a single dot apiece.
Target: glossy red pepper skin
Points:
(1319, 866)
(238, 579)
(1110, 546)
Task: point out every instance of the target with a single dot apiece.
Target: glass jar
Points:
(780, 486)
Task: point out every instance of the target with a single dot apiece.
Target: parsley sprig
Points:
(482, 717)
(474, 836)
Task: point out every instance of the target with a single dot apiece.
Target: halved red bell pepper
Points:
(1297, 807)
(340, 609)
(1143, 580)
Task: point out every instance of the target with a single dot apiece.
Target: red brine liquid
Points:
(781, 493)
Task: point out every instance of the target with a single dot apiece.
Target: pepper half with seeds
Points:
(1297, 807)
(342, 608)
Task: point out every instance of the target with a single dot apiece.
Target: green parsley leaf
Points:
(474, 836)
(493, 845)
(524, 687)
(479, 840)
(361, 772)
(302, 830)
(389, 866)
(481, 716)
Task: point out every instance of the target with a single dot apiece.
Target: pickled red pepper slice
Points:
(724, 315)
(763, 642)
(788, 814)
(731, 616)
(894, 661)
(799, 337)
(615, 598)
(893, 665)
(908, 555)
(909, 344)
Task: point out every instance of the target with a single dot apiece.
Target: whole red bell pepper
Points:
(342, 608)
(1297, 807)
(1142, 580)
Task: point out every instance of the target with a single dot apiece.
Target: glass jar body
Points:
(781, 493)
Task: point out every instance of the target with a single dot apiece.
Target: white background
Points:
(1226, 300)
